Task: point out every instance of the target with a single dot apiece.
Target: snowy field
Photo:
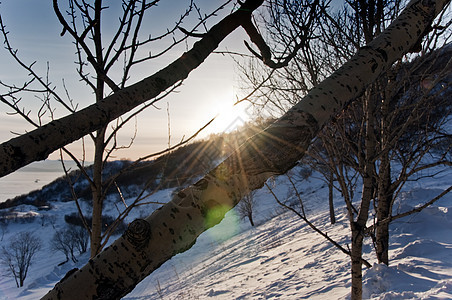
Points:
(281, 257)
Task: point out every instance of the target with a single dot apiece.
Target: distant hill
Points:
(177, 168)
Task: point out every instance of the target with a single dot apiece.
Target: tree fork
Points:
(173, 228)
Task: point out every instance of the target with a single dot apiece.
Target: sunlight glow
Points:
(229, 116)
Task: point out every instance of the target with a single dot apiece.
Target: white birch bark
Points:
(148, 243)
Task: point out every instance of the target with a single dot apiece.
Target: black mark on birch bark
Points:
(138, 233)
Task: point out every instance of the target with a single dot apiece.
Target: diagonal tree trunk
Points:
(41, 142)
(172, 229)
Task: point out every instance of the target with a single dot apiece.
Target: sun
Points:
(229, 116)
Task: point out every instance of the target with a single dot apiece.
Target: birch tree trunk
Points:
(367, 164)
(172, 229)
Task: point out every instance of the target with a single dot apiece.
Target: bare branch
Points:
(74, 195)
(315, 228)
(191, 33)
(410, 212)
(65, 130)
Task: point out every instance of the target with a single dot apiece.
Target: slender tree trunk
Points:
(99, 142)
(383, 210)
(358, 227)
(331, 199)
(172, 229)
(22, 276)
(385, 195)
(356, 262)
(73, 258)
(97, 194)
(250, 217)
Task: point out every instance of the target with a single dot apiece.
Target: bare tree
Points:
(150, 242)
(396, 109)
(368, 146)
(97, 56)
(246, 207)
(80, 237)
(17, 256)
(60, 244)
(68, 240)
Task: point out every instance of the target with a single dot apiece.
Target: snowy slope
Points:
(281, 257)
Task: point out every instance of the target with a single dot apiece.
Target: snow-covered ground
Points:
(281, 257)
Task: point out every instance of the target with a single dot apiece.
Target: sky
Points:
(211, 89)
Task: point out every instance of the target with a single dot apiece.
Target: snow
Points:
(281, 257)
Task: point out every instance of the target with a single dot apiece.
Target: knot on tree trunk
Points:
(138, 233)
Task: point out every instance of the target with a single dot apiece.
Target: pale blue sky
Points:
(35, 31)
